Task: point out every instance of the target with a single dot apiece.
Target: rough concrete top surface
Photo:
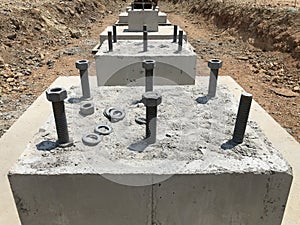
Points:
(189, 138)
(155, 48)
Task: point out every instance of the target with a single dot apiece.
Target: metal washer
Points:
(98, 129)
(91, 139)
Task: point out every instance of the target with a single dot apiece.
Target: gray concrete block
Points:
(184, 178)
(123, 66)
(138, 17)
(25, 129)
(123, 18)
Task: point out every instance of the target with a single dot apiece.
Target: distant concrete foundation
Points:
(186, 177)
(123, 66)
(138, 17)
(162, 18)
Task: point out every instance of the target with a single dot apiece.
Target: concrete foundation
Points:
(123, 66)
(184, 178)
(129, 8)
(138, 17)
(163, 33)
(162, 18)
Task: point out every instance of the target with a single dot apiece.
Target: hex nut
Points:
(82, 64)
(56, 94)
(151, 99)
(148, 64)
(215, 63)
(87, 108)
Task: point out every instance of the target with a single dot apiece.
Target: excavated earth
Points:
(259, 44)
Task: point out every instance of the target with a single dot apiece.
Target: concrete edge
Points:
(282, 141)
(15, 140)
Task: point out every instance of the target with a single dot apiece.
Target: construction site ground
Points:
(258, 43)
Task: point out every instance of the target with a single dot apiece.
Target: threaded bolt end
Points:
(242, 118)
(151, 120)
(60, 122)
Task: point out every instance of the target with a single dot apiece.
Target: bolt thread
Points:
(145, 27)
(114, 33)
(149, 80)
(110, 44)
(151, 119)
(175, 33)
(145, 41)
(242, 118)
(213, 78)
(60, 122)
(180, 40)
(85, 85)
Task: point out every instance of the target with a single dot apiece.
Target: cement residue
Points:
(189, 138)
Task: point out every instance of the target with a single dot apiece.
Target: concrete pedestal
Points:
(123, 66)
(138, 17)
(184, 178)
(123, 18)
(129, 8)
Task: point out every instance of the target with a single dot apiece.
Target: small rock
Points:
(285, 92)
(12, 36)
(75, 33)
(42, 56)
(27, 72)
(10, 79)
(50, 63)
(244, 58)
(296, 89)
(2, 63)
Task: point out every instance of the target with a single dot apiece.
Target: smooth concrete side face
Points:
(172, 67)
(163, 33)
(123, 18)
(248, 199)
(138, 17)
(79, 199)
(209, 199)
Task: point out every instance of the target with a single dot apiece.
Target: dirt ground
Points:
(259, 45)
